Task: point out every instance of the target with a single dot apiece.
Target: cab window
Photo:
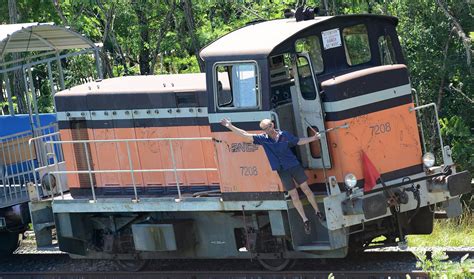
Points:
(356, 44)
(308, 91)
(387, 53)
(237, 85)
(312, 46)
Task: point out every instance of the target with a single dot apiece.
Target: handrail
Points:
(32, 162)
(132, 140)
(132, 171)
(17, 163)
(421, 122)
(277, 120)
(28, 132)
(443, 152)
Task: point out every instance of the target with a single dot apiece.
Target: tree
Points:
(148, 37)
(18, 85)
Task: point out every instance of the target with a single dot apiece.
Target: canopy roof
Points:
(39, 37)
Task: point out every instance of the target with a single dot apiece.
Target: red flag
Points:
(370, 173)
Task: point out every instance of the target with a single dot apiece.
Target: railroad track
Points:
(374, 264)
(221, 274)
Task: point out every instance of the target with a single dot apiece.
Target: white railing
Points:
(39, 144)
(438, 129)
(131, 170)
(17, 165)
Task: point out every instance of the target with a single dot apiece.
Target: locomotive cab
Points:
(316, 75)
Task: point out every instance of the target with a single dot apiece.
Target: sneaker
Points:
(320, 215)
(307, 227)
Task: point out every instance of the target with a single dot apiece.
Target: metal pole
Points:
(89, 170)
(17, 169)
(60, 70)
(174, 168)
(51, 83)
(55, 160)
(28, 103)
(4, 174)
(161, 63)
(439, 134)
(33, 95)
(32, 161)
(421, 120)
(11, 109)
(11, 170)
(131, 171)
(20, 166)
(97, 63)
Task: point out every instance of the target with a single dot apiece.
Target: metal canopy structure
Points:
(39, 43)
(39, 37)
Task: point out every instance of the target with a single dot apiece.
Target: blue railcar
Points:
(10, 125)
(17, 168)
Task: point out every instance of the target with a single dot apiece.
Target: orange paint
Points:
(389, 137)
(146, 155)
(395, 148)
(244, 167)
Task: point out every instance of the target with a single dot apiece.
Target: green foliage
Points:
(439, 266)
(30, 11)
(5, 104)
(425, 34)
(452, 232)
(457, 134)
(79, 70)
(140, 40)
(356, 40)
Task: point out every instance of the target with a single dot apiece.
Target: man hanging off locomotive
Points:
(277, 145)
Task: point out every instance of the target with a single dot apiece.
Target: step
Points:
(440, 214)
(42, 226)
(54, 248)
(315, 246)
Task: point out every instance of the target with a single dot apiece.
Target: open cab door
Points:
(309, 113)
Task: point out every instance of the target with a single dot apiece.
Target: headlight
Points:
(428, 159)
(350, 180)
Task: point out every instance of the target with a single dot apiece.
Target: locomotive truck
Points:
(153, 175)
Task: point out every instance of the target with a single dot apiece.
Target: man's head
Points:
(266, 125)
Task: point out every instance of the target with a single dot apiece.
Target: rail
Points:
(17, 165)
(443, 151)
(39, 143)
(131, 170)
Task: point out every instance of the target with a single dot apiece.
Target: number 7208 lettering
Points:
(381, 128)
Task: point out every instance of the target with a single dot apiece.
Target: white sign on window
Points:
(331, 38)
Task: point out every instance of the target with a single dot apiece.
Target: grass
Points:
(455, 232)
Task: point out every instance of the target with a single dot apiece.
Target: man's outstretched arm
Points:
(304, 141)
(246, 135)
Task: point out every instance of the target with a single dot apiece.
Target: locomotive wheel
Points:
(132, 265)
(8, 243)
(276, 264)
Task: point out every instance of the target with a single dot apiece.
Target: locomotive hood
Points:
(134, 92)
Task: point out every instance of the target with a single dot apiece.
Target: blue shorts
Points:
(291, 175)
